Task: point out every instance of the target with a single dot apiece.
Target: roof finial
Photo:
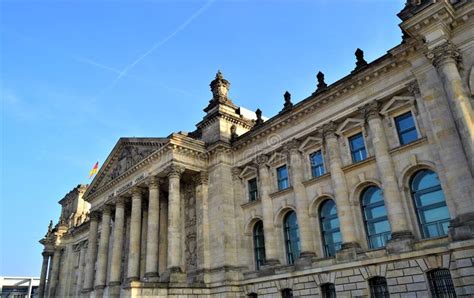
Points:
(321, 84)
(360, 59)
(219, 88)
(288, 104)
(259, 120)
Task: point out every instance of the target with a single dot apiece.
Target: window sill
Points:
(316, 179)
(409, 145)
(250, 203)
(281, 192)
(359, 163)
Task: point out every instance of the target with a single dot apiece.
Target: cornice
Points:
(209, 119)
(343, 87)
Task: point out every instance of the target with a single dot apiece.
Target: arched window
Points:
(292, 237)
(330, 228)
(432, 212)
(441, 283)
(378, 287)
(328, 290)
(286, 293)
(259, 244)
(375, 217)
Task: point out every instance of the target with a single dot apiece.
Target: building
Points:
(365, 188)
(18, 287)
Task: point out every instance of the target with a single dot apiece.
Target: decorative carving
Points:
(360, 63)
(261, 160)
(321, 84)
(413, 88)
(288, 105)
(233, 132)
(259, 120)
(190, 230)
(94, 215)
(129, 156)
(445, 53)
(175, 171)
(329, 129)
(220, 88)
(370, 110)
(292, 145)
(154, 182)
(236, 171)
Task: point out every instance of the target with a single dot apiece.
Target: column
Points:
(151, 267)
(101, 275)
(445, 57)
(301, 200)
(44, 271)
(201, 181)
(339, 186)
(271, 252)
(391, 192)
(117, 245)
(163, 235)
(133, 273)
(174, 219)
(91, 252)
(54, 272)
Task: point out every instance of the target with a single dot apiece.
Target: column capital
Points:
(370, 110)
(136, 191)
(261, 160)
(94, 215)
(46, 254)
(120, 201)
(413, 88)
(106, 209)
(236, 171)
(154, 182)
(292, 146)
(174, 171)
(329, 129)
(445, 53)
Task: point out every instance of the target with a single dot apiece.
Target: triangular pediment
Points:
(126, 153)
(277, 158)
(309, 143)
(349, 124)
(248, 171)
(395, 103)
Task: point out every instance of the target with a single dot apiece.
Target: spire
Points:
(219, 88)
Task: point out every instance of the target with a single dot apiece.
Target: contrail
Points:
(153, 48)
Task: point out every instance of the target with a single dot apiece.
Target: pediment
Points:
(349, 124)
(395, 103)
(309, 143)
(248, 171)
(276, 159)
(126, 153)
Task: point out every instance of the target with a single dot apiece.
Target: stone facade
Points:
(180, 216)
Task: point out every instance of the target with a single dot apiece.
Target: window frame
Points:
(249, 191)
(373, 286)
(414, 197)
(277, 168)
(322, 164)
(328, 290)
(386, 236)
(393, 122)
(258, 250)
(332, 231)
(287, 293)
(348, 140)
(449, 285)
(291, 256)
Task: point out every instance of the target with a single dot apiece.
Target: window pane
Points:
(425, 179)
(253, 193)
(435, 214)
(282, 175)
(375, 217)
(378, 227)
(375, 212)
(330, 228)
(292, 238)
(426, 199)
(408, 136)
(356, 142)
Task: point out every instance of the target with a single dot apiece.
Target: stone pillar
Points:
(202, 215)
(339, 186)
(54, 272)
(133, 272)
(163, 235)
(445, 58)
(101, 275)
(44, 272)
(151, 267)
(301, 201)
(91, 252)
(117, 248)
(402, 237)
(174, 219)
(271, 252)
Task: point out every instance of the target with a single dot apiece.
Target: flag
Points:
(94, 170)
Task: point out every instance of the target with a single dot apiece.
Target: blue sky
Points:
(77, 75)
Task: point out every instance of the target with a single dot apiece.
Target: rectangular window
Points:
(282, 175)
(406, 128)
(317, 165)
(357, 145)
(253, 189)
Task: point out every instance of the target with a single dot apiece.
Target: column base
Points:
(99, 291)
(402, 241)
(152, 277)
(173, 275)
(132, 279)
(348, 252)
(462, 227)
(305, 259)
(114, 289)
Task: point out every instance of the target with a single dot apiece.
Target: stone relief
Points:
(190, 228)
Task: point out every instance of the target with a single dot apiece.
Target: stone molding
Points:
(174, 171)
(445, 53)
(371, 111)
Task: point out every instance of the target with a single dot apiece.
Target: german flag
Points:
(94, 170)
